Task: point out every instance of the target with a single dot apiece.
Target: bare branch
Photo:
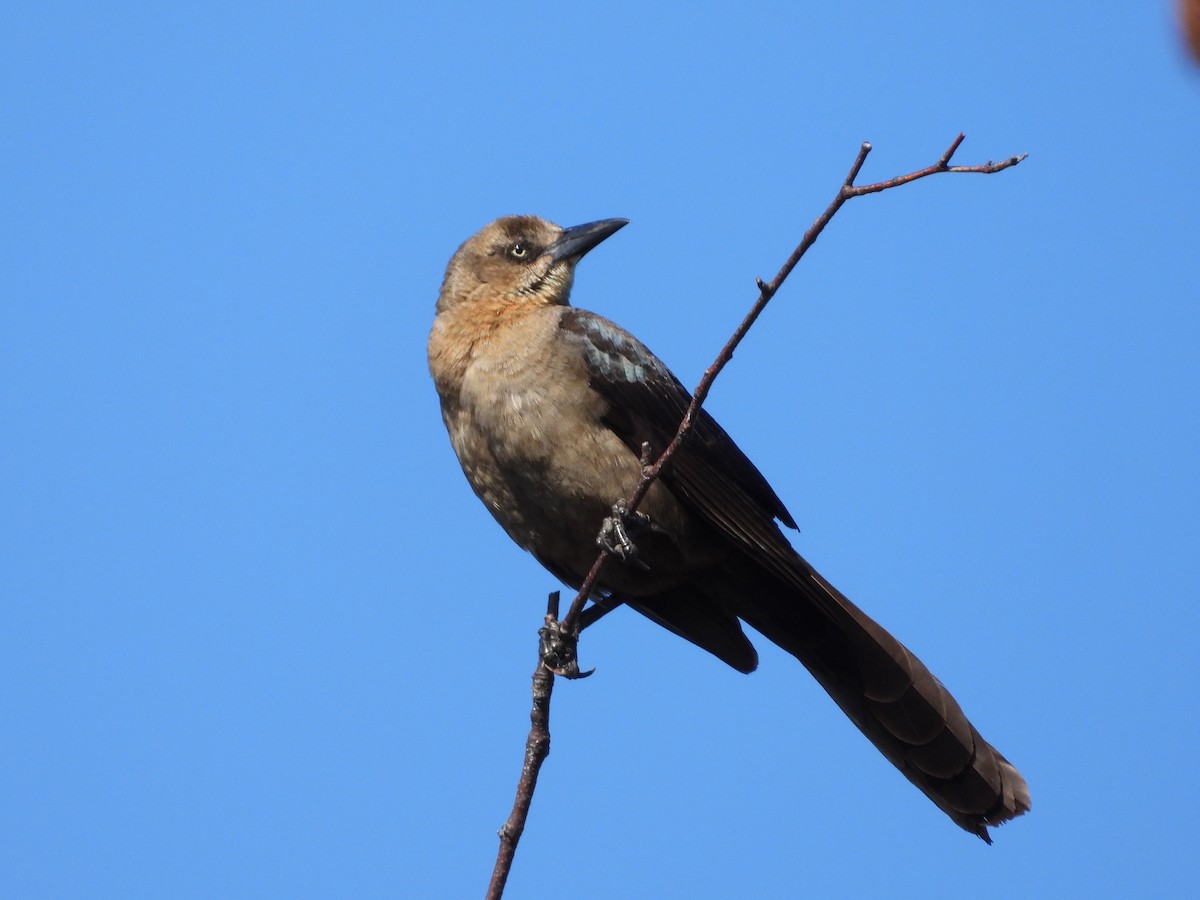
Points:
(537, 748)
(558, 639)
(766, 291)
(942, 165)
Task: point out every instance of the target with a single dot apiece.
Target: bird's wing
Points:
(885, 689)
(647, 403)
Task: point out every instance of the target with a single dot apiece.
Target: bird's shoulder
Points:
(646, 403)
(614, 355)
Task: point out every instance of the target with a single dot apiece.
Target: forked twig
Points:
(558, 638)
(766, 291)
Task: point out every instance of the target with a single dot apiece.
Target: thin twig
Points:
(847, 191)
(537, 746)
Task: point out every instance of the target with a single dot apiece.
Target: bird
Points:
(548, 408)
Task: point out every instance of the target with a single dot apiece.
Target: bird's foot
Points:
(614, 533)
(559, 649)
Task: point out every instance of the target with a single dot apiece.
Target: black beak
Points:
(577, 240)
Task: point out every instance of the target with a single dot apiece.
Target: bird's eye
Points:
(518, 250)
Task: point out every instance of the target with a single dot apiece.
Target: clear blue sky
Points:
(258, 638)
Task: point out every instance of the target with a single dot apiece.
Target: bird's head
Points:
(521, 258)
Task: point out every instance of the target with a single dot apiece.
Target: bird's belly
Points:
(550, 476)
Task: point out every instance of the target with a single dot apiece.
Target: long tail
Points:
(884, 689)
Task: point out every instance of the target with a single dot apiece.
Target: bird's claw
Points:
(614, 533)
(559, 650)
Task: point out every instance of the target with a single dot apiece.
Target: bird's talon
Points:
(559, 650)
(614, 534)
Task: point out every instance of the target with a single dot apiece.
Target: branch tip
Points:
(857, 167)
(944, 162)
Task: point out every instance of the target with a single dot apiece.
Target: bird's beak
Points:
(577, 240)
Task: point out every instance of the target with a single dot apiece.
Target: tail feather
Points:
(883, 688)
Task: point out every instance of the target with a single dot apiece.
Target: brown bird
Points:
(547, 408)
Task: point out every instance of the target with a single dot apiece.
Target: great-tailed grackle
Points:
(548, 407)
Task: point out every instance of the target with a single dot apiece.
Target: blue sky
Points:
(258, 638)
